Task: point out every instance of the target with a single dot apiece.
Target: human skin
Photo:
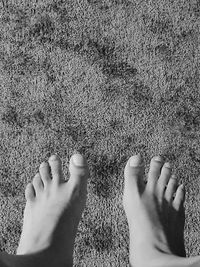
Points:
(156, 216)
(153, 242)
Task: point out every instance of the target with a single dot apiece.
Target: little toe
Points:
(133, 175)
(179, 198)
(45, 175)
(171, 189)
(30, 192)
(79, 171)
(154, 172)
(163, 179)
(38, 184)
(56, 169)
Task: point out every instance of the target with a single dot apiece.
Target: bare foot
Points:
(155, 218)
(53, 210)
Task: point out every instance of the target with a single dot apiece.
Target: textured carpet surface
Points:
(110, 79)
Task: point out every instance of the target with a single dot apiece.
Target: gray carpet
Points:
(110, 79)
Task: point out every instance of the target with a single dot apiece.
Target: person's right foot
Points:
(155, 213)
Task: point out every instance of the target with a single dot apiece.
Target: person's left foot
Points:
(53, 209)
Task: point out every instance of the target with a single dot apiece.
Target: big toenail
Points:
(158, 158)
(135, 161)
(79, 160)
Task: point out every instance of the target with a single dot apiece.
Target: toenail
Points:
(135, 161)
(53, 157)
(43, 164)
(79, 160)
(182, 187)
(168, 165)
(158, 158)
(173, 177)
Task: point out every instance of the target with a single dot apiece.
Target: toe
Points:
(179, 198)
(133, 175)
(79, 170)
(171, 189)
(154, 172)
(45, 173)
(30, 192)
(56, 169)
(163, 179)
(38, 184)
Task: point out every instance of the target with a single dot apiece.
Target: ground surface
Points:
(110, 79)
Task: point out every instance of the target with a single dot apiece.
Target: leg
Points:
(155, 217)
(2, 261)
(53, 210)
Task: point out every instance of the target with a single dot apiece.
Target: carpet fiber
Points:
(109, 79)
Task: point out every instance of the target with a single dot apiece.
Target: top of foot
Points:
(53, 208)
(155, 211)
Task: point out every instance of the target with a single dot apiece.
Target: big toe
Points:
(133, 175)
(79, 170)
